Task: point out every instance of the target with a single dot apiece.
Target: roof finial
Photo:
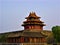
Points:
(32, 12)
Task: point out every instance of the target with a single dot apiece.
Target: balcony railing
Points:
(27, 44)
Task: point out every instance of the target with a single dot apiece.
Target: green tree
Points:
(2, 38)
(56, 33)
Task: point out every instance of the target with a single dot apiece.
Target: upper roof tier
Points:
(33, 19)
(32, 14)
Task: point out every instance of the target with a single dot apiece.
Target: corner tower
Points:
(33, 22)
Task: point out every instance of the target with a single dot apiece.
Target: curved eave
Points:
(33, 24)
(32, 17)
(33, 21)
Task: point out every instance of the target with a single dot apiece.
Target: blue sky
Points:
(13, 13)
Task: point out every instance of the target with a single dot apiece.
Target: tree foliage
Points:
(2, 38)
(56, 33)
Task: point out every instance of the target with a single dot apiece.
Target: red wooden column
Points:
(22, 39)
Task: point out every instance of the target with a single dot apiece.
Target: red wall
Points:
(37, 27)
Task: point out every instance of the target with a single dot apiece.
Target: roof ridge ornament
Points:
(32, 12)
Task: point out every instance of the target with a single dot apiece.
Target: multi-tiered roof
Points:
(33, 19)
